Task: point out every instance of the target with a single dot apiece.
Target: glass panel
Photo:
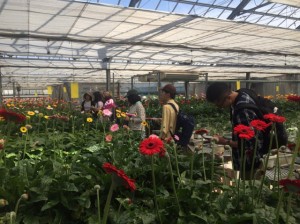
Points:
(183, 8)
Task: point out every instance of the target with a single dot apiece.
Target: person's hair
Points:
(132, 99)
(98, 97)
(169, 88)
(87, 94)
(107, 95)
(217, 91)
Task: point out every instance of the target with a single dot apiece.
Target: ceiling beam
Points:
(257, 7)
(147, 44)
(236, 12)
(133, 3)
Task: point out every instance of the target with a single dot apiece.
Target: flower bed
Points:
(58, 165)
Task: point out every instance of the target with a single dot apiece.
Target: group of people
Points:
(218, 93)
(136, 115)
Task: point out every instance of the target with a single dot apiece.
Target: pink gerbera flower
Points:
(107, 112)
(114, 127)
(108, 138)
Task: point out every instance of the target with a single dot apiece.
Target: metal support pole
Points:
(107, 80)
(158, 82)
(14, 89)
(206, 81)
(248, 84)
(118, 89)
(113, 86)
(132, 77)
(186, 89)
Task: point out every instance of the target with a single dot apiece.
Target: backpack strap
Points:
(176, 111)
(173, 106)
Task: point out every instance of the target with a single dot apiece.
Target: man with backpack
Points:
(169, 115)
(245, 106)
(175, 123)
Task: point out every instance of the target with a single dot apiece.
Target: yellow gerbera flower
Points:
(123, 114)
(89, 119)
(99, 113)
(118, 115)
(144, 123)
(46, 117)
(31, 113)
(23, 129)
(118, 111)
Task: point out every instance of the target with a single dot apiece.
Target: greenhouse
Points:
(149, 111)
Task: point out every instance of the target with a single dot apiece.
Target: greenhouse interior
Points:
(149, 111)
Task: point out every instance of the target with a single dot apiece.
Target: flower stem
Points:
(98, 206)
(252, 165)
(203, 165)
(244, 167)
(108, 200)
(176, 161)
(192, 166)
(211, 178)
(252, 175)
(239, 178)
(266, 164)
(25, 146)
(288, 208)
(278, 206)
(173, 183)
(154, 189)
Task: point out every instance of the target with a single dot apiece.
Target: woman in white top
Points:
(87, 103)
(137, 112)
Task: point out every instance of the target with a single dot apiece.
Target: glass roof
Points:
(277, 13)
(51, 42)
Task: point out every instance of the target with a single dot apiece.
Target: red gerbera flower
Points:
(259, 125)
(274, 118)
(109, 168)
(201, 131)
(12, 116)
(290, 185)
(126, 181)
(151, 146)
(243, 131)
(293, 98)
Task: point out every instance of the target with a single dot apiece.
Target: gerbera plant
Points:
(149, 147)
(118, 176)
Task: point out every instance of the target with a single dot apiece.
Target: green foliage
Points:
(62, 162)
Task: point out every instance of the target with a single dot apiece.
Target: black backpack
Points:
(265, 106)
(184, 127)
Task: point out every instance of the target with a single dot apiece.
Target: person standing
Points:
(136, 113)
(87, 103)
(98, 102)
(222, 96)
(169, 115)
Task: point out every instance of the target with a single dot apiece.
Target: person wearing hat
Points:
(87, 103)
(136, 113)
(169, 116)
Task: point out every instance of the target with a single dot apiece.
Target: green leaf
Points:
(49, 204)
(70, 187)
(203, 218)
